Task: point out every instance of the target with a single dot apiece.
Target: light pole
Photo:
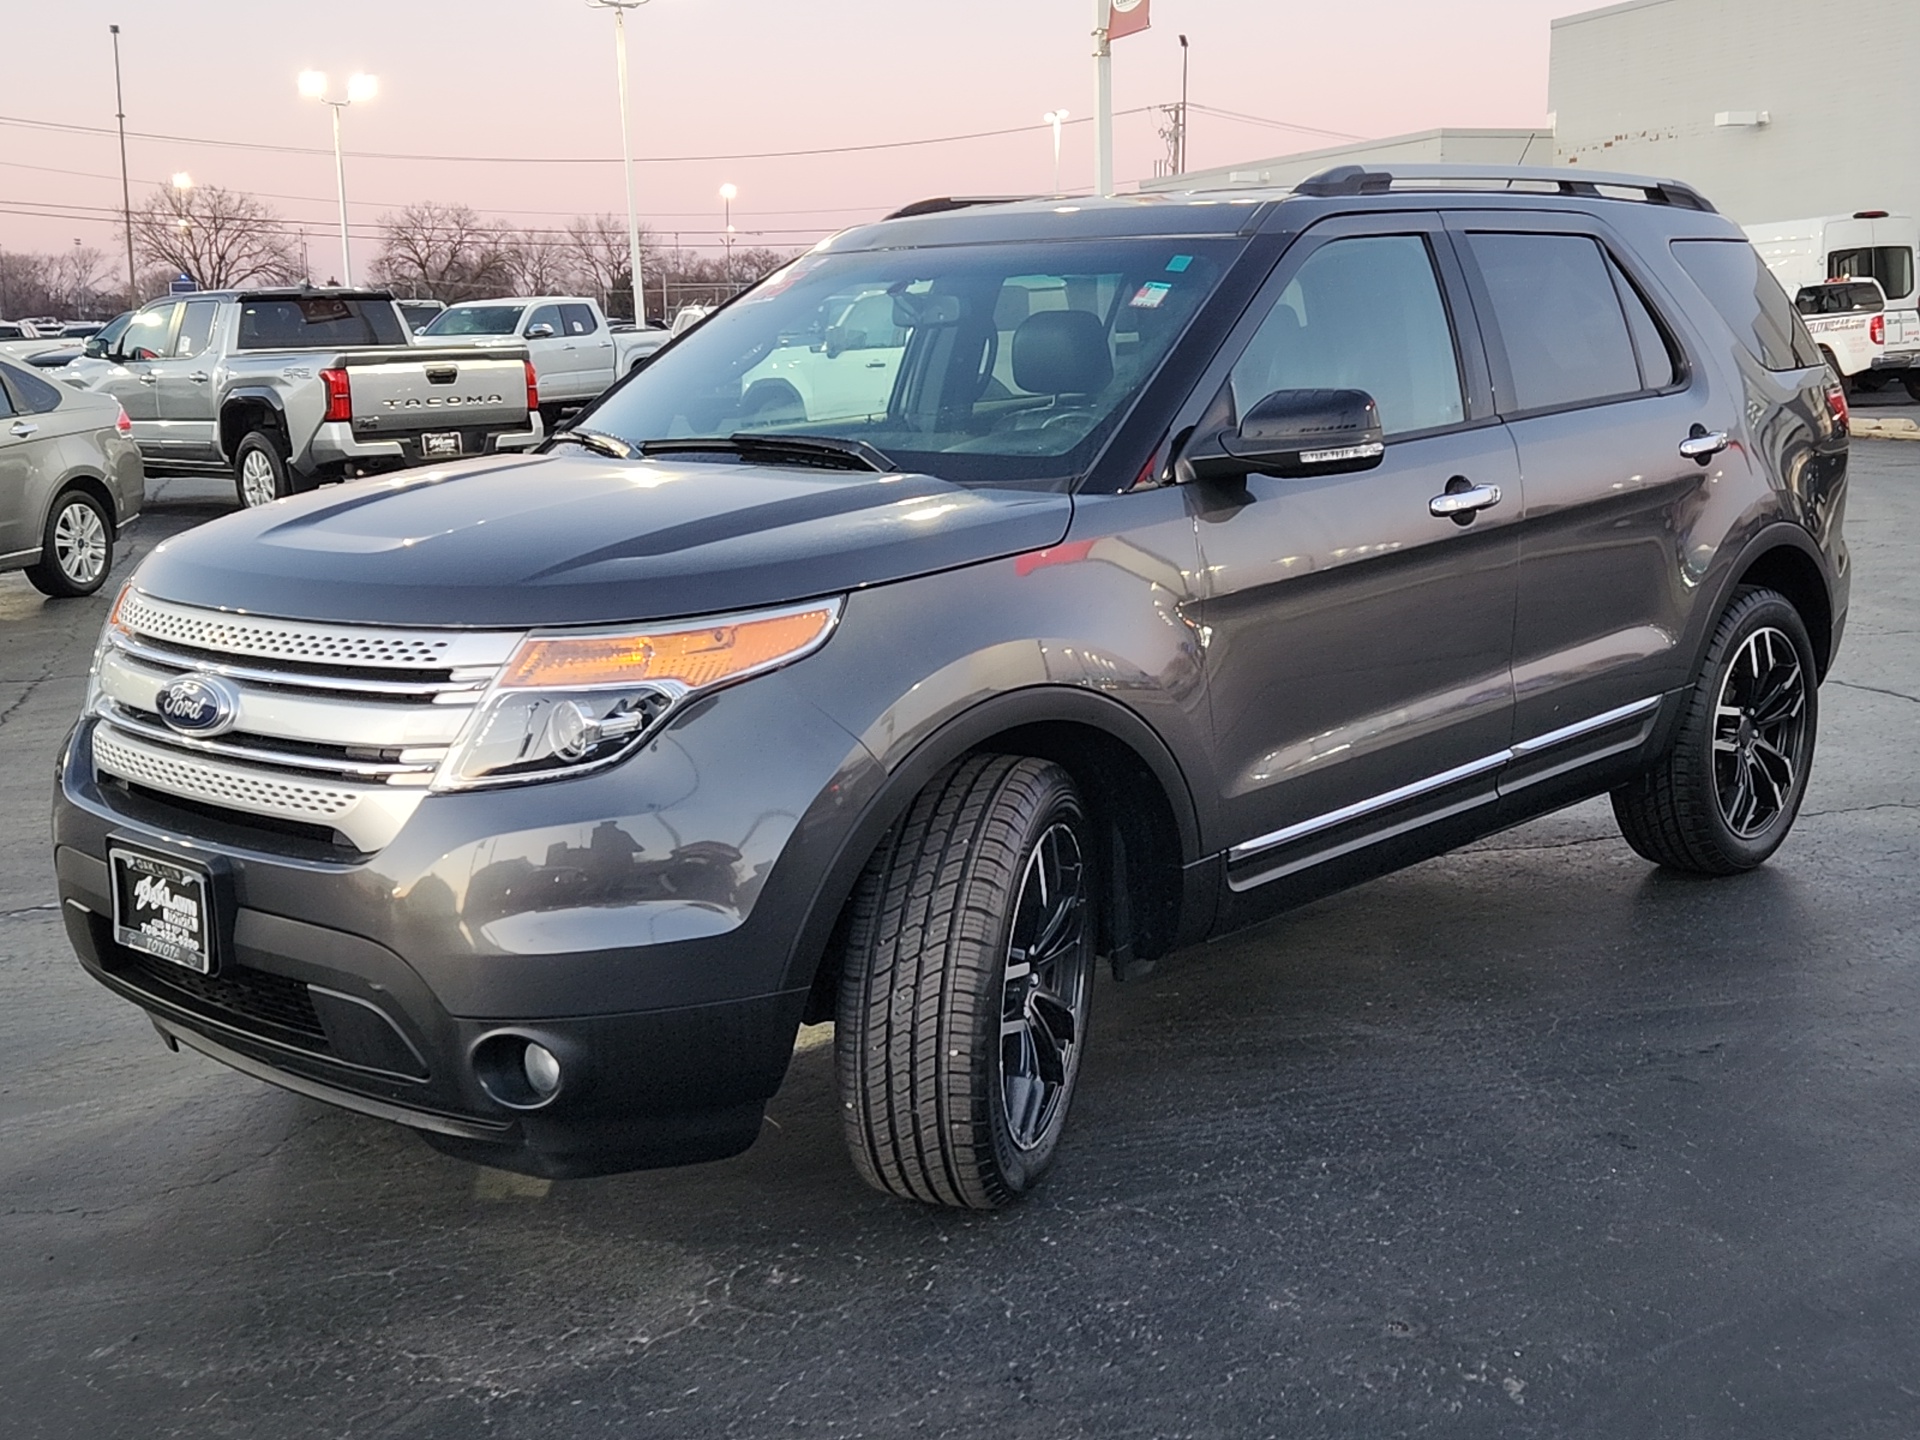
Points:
(727, 194)
(1055, 118)
(183, 220)
(620, 8)
(126, 195)
(360, 88)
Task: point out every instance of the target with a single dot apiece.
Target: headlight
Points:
(100, 648)
(568, 702)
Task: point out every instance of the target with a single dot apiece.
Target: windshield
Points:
(477, 320)
(976, 363)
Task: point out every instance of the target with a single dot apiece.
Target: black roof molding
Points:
(1352, 180)
(940, 204)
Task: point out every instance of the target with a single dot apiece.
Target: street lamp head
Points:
(182, 180)
(362, 88)
(729, 191)
(313, 84)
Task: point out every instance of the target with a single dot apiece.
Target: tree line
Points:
(225, 238)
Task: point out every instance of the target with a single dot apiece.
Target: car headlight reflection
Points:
(570, 702)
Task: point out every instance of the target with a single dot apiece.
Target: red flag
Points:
(1129, 17)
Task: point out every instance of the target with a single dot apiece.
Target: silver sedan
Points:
(70, 481)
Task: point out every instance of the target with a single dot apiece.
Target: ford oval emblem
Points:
(198, 705)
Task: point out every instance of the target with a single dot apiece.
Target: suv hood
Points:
(579, 540)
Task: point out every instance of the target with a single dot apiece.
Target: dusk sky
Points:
(518, 81)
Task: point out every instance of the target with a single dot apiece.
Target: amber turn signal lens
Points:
(696, 657)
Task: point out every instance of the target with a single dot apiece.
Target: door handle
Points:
(198, 377)
(1463, 500)
(21, 429)
(149, 379)
(1704, 444)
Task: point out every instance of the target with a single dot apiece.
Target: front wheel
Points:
(1726, 793)
(76, 548)
(964, 994)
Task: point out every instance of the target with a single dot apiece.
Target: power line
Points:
(1272, 124)
(64, 127)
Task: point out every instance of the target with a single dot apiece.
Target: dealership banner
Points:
(1129, 17)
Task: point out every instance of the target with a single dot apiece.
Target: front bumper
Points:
(640, 923)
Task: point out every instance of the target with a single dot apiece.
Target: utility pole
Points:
(1180, 155)
(126, 194)
(620, 8)
(1102, 99)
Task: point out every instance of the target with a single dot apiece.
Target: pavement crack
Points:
(26, 910)
(1870, 689)
(1861, 809)
(27, 694)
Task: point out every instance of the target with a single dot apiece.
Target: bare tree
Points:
(543, 264)
(77, 277)
(445, 252)
(219, 237)
(599, 247)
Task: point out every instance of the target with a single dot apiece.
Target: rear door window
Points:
(196, 328)
(1362, 314)
(1730, 274)
(576, 320)
(1891, 265)
(1560, 319)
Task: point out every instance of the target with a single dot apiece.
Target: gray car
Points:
(70, 481)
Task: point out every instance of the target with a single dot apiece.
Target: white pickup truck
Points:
(1848, 320)
(1866, 245)
(575, 352)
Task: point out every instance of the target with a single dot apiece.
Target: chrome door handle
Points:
(149, 379)
(1462, 505)
(1703, 445)
(198, 377)
(20, 429)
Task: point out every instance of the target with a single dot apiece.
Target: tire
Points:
(76, 548)
(1725, 795)
(1869, 382)
(1911, 379)
(957, 1053)
(261, 474)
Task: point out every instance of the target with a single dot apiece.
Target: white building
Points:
(1427, 147)
(1773, 109)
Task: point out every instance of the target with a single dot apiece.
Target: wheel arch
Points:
(250, 408)
(93, 485)
(1784, 559)
(1138, 800)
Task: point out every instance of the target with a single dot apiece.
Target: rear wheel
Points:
(1911, 379)
(965, 988)
(261, 474)
(1725, 795)
(76, 549)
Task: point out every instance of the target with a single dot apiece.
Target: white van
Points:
(1869, 244)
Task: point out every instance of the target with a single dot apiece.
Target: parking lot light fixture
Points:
(361, 88)
(182, 180)
(620, 8)
(1055, 118)
(728, 192)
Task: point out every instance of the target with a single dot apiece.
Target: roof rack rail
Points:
(942, 203)
(1346, 180)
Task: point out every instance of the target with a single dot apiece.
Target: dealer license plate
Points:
(440, 442)
(164, 907)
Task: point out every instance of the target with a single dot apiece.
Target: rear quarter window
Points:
(297, 324)
(1738, 285)
(29, 393)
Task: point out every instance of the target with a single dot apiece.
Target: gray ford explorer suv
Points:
(1129, 570)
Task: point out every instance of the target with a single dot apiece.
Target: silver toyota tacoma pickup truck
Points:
(295, 387)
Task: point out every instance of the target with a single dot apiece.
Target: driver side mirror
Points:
(542, 331)
(1293, 434)
(94, 349)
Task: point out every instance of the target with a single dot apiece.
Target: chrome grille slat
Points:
(306, 643)
(336, 725)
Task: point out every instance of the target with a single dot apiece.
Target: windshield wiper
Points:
(823, 451)
(609, 445)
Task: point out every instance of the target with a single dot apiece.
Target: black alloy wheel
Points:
(1725, 794)
(966, 977)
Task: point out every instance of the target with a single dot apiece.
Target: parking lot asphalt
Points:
(1531, 1140)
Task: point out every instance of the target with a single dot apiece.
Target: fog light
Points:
(542, 1070)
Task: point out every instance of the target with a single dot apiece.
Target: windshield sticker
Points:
(1178, 264)
(1149, 295)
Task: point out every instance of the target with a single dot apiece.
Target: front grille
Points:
(252, 1000)
(341, 726)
